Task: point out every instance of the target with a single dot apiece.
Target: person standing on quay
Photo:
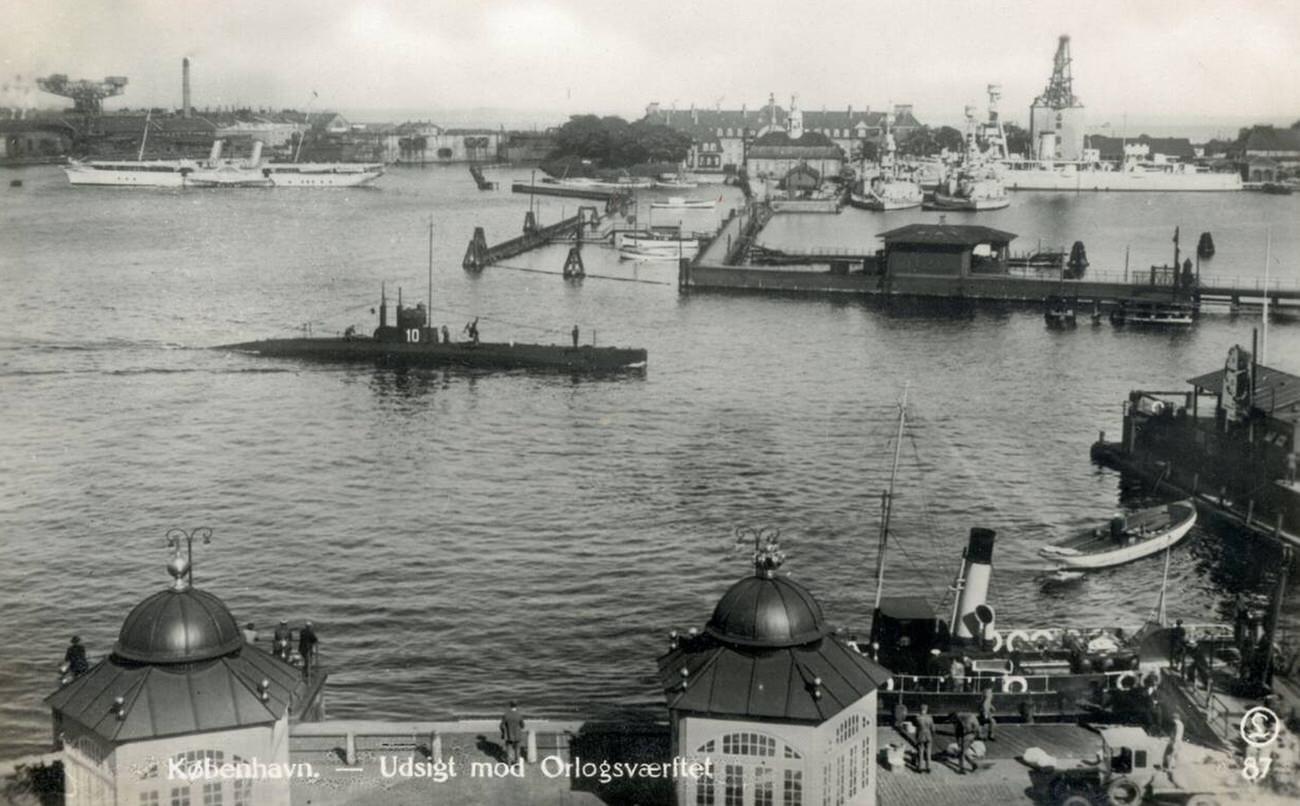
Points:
(307, 641)
(575, 337)
(280, 640)
(74, 659)
(512, 732)
(967, 728)
(924, 738)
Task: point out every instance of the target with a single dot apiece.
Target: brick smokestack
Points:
(185, 86)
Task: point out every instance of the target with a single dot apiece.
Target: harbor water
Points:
(462, 539)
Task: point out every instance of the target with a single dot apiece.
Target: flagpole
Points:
(1268, 258)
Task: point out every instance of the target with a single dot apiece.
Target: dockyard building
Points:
(425, 143)
(1282, 145)
(721, 137)
(181, 695)
(779, 704)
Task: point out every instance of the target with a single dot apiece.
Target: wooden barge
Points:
(1224, 443)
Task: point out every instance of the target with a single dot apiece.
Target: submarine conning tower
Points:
(974, 617)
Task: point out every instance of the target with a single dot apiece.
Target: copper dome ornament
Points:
(178, 625)
(765, 610)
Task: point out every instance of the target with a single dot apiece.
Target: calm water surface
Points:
(462, 539)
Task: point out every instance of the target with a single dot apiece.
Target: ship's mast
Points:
(144, 138)
(995, 134)
(887, 501)
(428, 322)
(1268, 258)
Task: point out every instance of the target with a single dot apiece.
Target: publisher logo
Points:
(1260, 726)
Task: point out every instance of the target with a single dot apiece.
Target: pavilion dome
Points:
(767, 611)
(178, 625)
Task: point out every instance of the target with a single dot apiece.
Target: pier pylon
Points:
(573, 268)
(476, 252)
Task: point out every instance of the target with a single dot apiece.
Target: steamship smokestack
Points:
(973, 615)
(185, 87)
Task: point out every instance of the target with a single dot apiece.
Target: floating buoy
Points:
(1205, 246)
(1078, 262)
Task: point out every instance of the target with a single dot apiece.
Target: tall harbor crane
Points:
(87, 96)
(1057, 112)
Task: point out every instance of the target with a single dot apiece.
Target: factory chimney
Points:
(185, 87)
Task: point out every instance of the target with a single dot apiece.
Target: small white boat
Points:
(657, 247)
(1126, 538)
(673, 182)
(638, 253)
(679, 203)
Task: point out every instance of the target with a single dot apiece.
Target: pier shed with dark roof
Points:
(950, 250)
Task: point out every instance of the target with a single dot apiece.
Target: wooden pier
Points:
(479, 255)
(480, 180)
(938, 261)
(1242, 515)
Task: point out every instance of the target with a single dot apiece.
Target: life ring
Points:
(997, 641)
(1014, 684)
(1126, 681)
(1123, 792)
(1040, 636)
(1019, 636)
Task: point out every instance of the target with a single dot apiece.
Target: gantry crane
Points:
(87, 96)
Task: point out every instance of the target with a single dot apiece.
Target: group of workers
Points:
(282, 641)
(968, 727)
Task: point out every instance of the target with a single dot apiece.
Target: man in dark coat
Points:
(307, 648)
(1177, 644)
(74, 660)
(924, 738)
(512, 732)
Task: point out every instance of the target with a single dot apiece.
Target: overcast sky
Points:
(1149, 60)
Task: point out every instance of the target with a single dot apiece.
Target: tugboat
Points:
(412, 342)
(1033, 673)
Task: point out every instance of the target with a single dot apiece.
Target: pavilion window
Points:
(212, 795)
(149, 798)
(793, 788)
(733, 793)
(180, 796)
(244, 792)
(763, 786)
(853, 771)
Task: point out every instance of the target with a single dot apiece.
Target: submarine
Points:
(413, 342)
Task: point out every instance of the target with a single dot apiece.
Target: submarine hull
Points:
(484, 355)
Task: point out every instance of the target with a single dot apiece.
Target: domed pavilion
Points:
(183, 686)
(779, 704)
